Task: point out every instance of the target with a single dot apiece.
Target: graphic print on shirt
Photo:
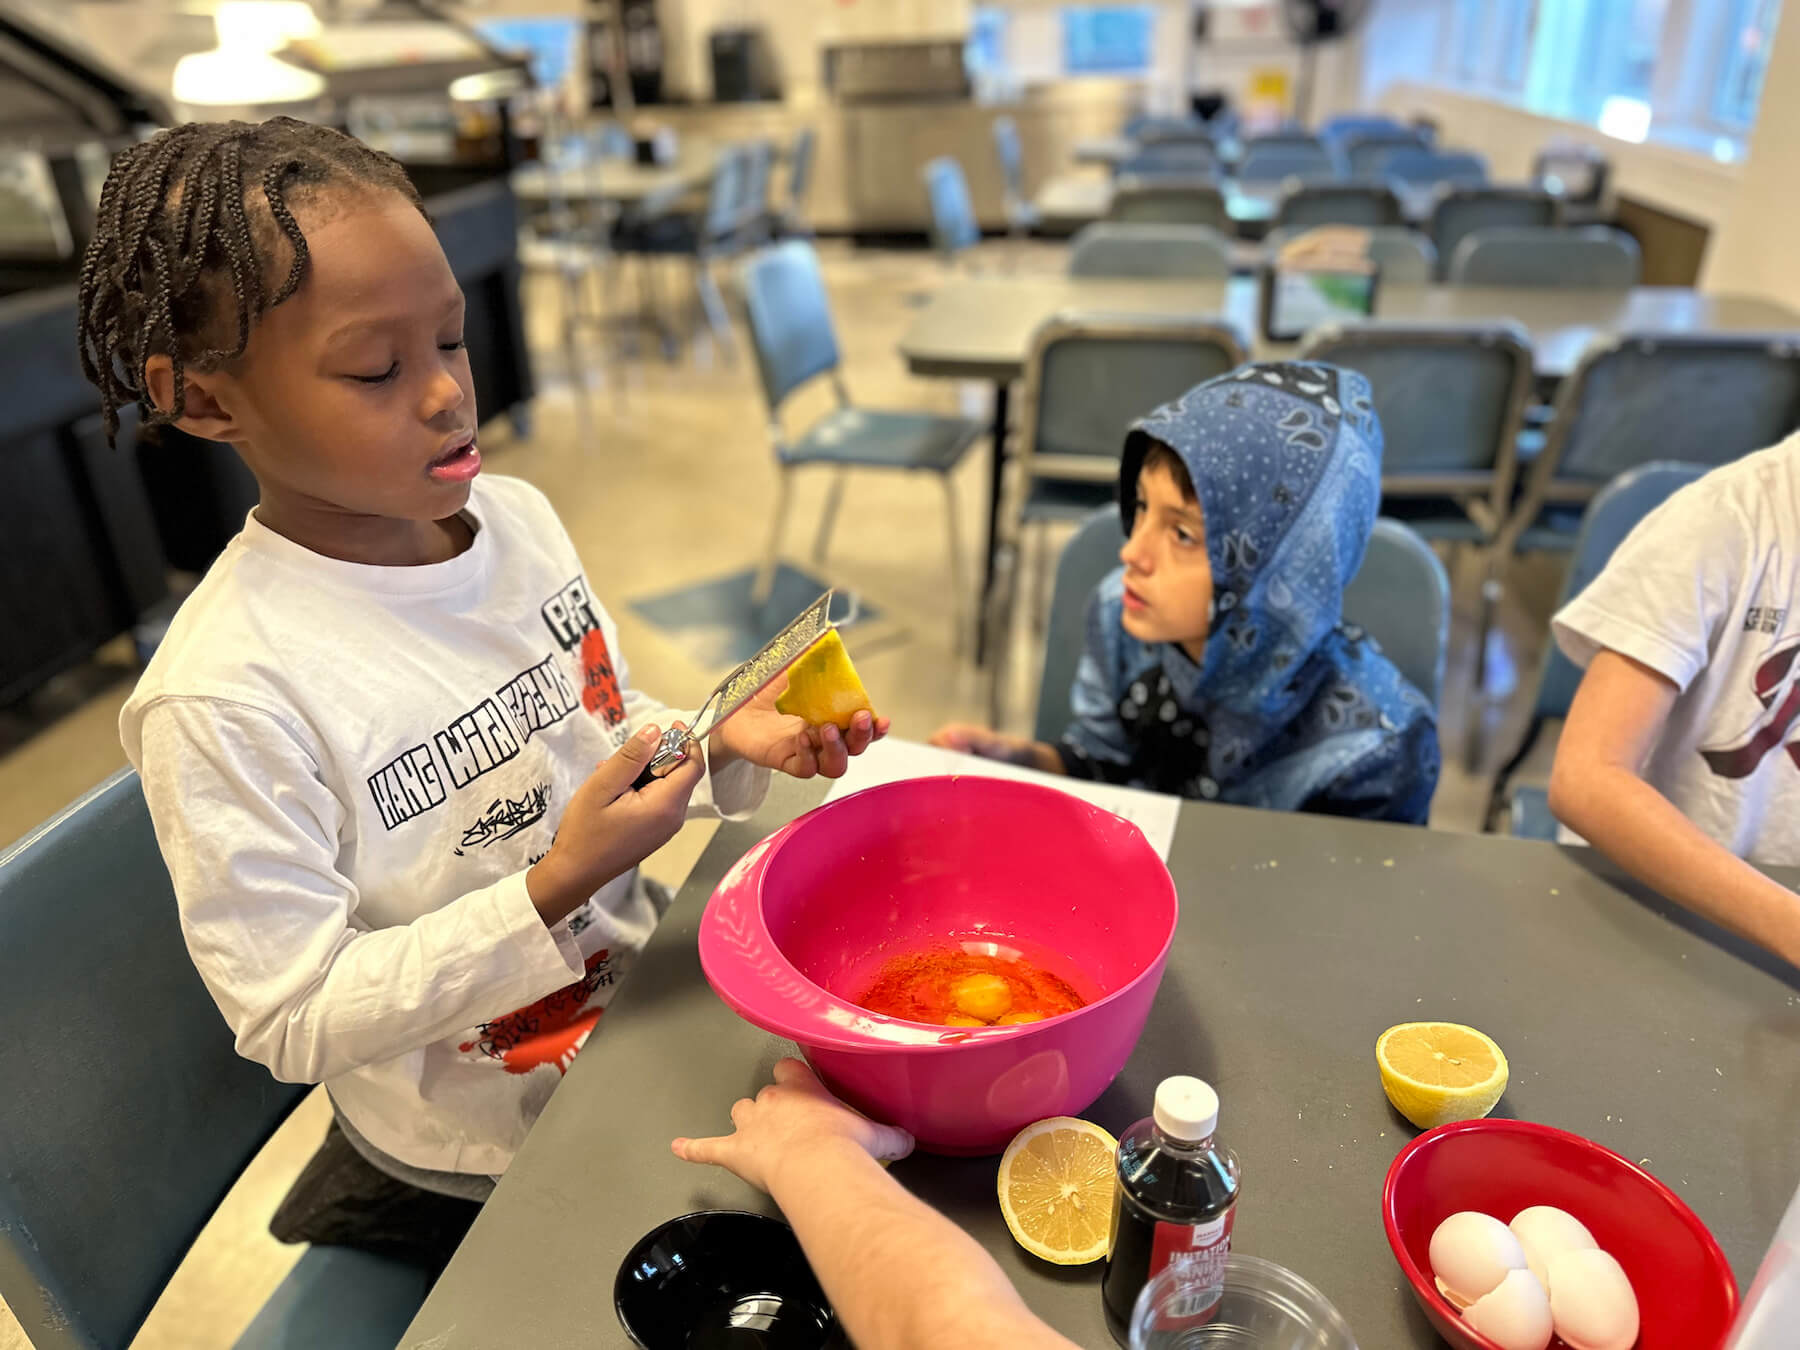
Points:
(1776, 685)
(505, 817)
(574, 621)
(551, 1030)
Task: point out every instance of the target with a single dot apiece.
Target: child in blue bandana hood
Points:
(1217, 664)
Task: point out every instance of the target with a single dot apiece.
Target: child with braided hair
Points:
(368, 742)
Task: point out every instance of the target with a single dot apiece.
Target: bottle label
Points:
(1199, 1250)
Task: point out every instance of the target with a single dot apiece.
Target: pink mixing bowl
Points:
(803, 922)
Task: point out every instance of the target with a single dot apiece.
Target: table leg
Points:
(997, 477)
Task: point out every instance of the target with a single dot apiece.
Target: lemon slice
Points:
(1437, 1072)
(822, 686)
(1056, 1189)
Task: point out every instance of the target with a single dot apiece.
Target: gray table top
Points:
(1069, 201)
(981, 327)
(1301, 939)
(617, 180)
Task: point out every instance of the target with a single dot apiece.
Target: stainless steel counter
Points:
(868, 158)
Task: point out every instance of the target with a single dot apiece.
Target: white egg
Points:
(1543, 1231)
(1591, 1301)
(1515, 1315)
(1471, 1253)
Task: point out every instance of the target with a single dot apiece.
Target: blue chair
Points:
(1413, 164)
(954, 229)
(791, 330)
(1612, 515)
(1168, 130)
(1702, 399)
(1342, 128)
(1463, 210)
(1087, 378)
(1110, 249)
(1527, 256)
(1400, 597)
(1405, 256)
(1371, 205)
(1180, 159)
(1169, 201)
(1270, 161)
(1363, 155)
(126, 1113)
(790, 222)
(1021, 215)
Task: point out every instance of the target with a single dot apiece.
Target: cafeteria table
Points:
(1301, 938)
(644, 188)
(1066, 203)
(980, 328)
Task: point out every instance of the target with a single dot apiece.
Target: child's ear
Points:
(202, 412)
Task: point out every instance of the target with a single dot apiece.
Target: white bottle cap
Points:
(1186, 1108)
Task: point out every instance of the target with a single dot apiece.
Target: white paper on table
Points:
(893, 761)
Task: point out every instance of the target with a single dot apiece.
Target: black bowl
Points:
(723, 1280)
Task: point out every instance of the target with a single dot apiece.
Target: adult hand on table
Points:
(791, 1120)
(608, 828)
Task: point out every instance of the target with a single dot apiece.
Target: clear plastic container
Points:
(1771, 1310)
(1264, 1307)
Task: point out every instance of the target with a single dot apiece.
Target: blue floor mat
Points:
(718, 627)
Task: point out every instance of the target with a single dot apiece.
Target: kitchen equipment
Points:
(745, 683)
(1685, 1290)
(801, 924)
(723, 1278)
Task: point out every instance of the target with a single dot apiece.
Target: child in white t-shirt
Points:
(1681, 754)
(369, 740)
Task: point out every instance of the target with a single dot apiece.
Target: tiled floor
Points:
(663, 477)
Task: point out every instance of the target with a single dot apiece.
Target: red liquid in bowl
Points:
(949, 986)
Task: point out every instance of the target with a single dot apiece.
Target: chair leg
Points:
(764, 584)
(1002, 604)
(834, 498)
(713, 305)
(1491, 593)
(1042, 577)
(959, 613)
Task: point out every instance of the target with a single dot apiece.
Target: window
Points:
(1683, 71)
(1107, 39)
(1739, 89)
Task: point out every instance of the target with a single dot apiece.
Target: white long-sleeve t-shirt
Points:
(350, 769)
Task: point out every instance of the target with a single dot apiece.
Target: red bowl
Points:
(1685, 1290)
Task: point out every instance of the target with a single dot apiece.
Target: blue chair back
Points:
(953, 224)
(1414, 164)
(1405, 256)
(1089, 376)
(1183, 159)
(1524, 256)
(1701, 398)
(1169, 201)
(731, 178)
(1266, 163)
(126, 1113)
(1462, 211)
(1613, 514)
(1111, 249)
(1338, 130)
(1012, 157)
(1400, 596)
(1451, 399)
(800, 165)
(1166, 130)
(790, 318)
(1366, 204)
(1364, 154)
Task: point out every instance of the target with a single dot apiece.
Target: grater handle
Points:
(671, 754)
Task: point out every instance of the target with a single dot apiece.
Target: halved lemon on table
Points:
(1438, 1072)
(1057, 1179)
(823, 686)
